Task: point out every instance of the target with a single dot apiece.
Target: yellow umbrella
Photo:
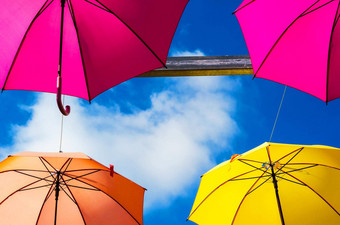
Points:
(272, 184)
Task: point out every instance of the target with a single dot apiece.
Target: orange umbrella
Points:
(66, 188)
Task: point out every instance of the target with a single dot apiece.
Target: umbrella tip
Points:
(233, 157)
(111, 170)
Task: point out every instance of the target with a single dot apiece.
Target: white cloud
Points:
(178, 53)
(164, 148)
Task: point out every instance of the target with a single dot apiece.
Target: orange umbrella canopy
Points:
(66, 188)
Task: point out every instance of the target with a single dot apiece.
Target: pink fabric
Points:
(289, 42)
(113, 41)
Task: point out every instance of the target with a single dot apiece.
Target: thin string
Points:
(61, 128)
(277, 115)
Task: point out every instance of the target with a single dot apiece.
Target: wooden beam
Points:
(203, 66)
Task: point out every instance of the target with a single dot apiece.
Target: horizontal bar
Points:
(203, 66)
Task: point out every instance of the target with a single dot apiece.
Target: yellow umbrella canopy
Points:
(272, 184)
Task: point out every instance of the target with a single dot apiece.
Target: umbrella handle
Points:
(65, 111)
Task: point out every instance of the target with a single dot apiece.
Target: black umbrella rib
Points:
(111, 198)
(254, 166)
(243, 6)
(317, 8)
(16, 191)
(239, 207)
(299, 150)
(32, 188)
(41, 10)
(213, 191)
(250, 160)
(42, 161)
(250, 178)
(83, 175)
(134, 32)
(320, 196)
(294, 170)
(80, 48)
(70, 197)
(15, 170)
(283, 166)
(29, 175)
(49, 193)
(80, 170)
(277, 41)
(85, 188)
(97, 6)
(269, 177)
(75, 201)
(331, 167)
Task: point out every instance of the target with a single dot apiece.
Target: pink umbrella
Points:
(296, 43)
(92, 44)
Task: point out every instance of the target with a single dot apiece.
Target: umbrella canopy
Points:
(66, 188)
(99, 43)
(272, 184)
(295, 43)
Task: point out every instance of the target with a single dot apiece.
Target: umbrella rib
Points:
(315, 193)
(97, 6)
(294, 170)
(329, 50)
(134, 32)
(20, 190)
(69, 171)
(90, 189)
(72, 199)
(42, 161)
(299, 149)
(267, 149)
(41, 10)
(72, 178)
(49, 193)
(317, 8)
(254, 166)
(250, 160)
(259, 185)
(249, 178)
(294, 182)
(277, 41)
(29, 175)
(332, 167)
(75, 201)
(243, 6)
(238, 209)
(32, 188)
(69, 3)
(111, 198)
(208, 195)
(14, 170)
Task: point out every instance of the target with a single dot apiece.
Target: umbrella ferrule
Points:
(62, 3)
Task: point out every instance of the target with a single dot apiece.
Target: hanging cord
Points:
(278, 112)
(61, 129)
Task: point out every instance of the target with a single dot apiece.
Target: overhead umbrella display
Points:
(83, 47)
(295, 43)
(66, 188)
(272, 184)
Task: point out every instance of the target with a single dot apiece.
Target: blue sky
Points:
(164, 133)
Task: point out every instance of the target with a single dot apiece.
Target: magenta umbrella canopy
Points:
(294, 42)
(105, 42)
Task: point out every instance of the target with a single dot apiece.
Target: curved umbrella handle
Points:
(65, 111)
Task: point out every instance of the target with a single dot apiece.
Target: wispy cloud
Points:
(164, 148)
(179, 53)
